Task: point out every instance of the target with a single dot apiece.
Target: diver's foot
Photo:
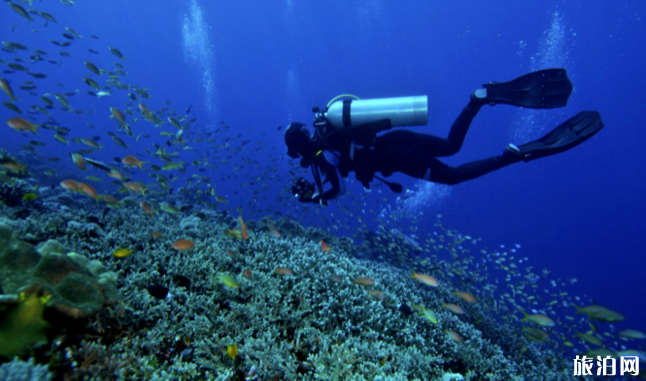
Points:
(480, 97)
(512, 149)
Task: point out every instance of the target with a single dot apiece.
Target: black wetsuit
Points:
(405, 151)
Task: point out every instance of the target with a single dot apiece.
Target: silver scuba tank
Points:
(402, 111)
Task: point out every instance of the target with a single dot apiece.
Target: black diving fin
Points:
(395, 187)
(549, 88)
(571, 133)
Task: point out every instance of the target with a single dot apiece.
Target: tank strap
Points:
(346, 113)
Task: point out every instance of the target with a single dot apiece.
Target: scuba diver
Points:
(346, 137)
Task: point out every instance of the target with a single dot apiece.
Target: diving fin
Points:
(573, 132)
(549, 88)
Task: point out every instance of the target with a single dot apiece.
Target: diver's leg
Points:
(433, 145)
(431, 169)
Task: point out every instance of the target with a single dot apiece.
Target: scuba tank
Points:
(402, 111)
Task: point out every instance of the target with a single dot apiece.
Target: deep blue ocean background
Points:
(259, 65)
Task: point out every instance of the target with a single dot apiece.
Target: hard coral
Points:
(69, 286)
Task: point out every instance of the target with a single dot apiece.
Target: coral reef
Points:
(42, 286)
(18, 370)
(315, 324)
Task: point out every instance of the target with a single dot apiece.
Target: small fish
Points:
(183, 245)
(20, 124)
(426, 279)
(116, 52)
(20, 10)
(284, 271)
(89, 190)
(467, 297)
(111, 201)
(78, 160)
(70, 185)
(232, 351)
(247, 274)
(324, 246)
(12, 107)
(364, 281)
(453, 308)
(156, 235)
(146, 208)
(243, 228)
(135, 187)
(7, 89)
(170, 209)
(14, 167)
(376, 294)
(539, 319)
(61, 139)
(132, 161)
(28, 197)
(122, 252)
(228, 280)
(273, 231)
(632, 334)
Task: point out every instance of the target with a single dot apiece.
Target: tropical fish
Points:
(146, 208)
(78, 160)
(135, 187)
(183, 245)
(454, 336)
(92, 67)
(20, 10)
(243, 228)
(27, 197)
(632, 334)
(365, 281)
(14, 166)
(467, 297)
(117, 53)
(89, 190)
(70, 185)
(7, 89)
(273, 231)
(20, 124)
(324, 246)
(284, 271)
(228, 280)
(111, 201)
(132, 161)
(122, 252)
(232, 351)
(453, 308)
(426, 279)
(539, 319)
(156, 235)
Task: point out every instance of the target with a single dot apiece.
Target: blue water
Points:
(259, 65)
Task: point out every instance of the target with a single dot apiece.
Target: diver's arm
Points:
(331, 174)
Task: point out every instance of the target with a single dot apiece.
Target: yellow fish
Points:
(228, 280)
(121, 253)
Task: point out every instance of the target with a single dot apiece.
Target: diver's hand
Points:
(318, 199)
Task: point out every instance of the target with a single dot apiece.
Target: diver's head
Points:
(297, 138)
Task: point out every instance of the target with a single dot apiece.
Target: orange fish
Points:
(135, 188)
(144, 205)
(376, 294)
(243, 228)
(453, 308)
(132, 161)
(426, 279)
(231, 253)
(364, 281)
(284, 271)
(116, 175)
(273, 231)
(247, 274)
(70, 185)
(19, 124)
(467, 297)
(89, 190)
(156, 235)
(116, 114)
(454, 336)
(324, 246)
(78, 160)
(15, 167)
(109, 200)
(91, 143)
(7, 89)
(183, 245)
(144, 110)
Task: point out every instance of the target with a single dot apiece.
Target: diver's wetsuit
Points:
(411, 153)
